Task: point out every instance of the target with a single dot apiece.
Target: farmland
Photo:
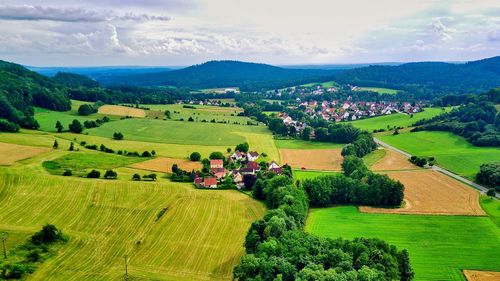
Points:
(439, 246)
(300, 144)
(395, 120)
(13, 152)
(313, 159)
(379, 90)
(164, 164)
(459, 156)
(388, 160)
(119, 110)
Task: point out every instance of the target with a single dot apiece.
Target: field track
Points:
(392, 161)
(119, 110)
(313, 159)
(199, 237)
(430, 192)
(473, 275)
(10, 153)
(164, 165)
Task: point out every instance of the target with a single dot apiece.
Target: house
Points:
(277, 171)
(198, 180)
(247, 171)
(237, 177)
(252, 155)
(210, 182)
(216, 163)
(273, 164)
(238, 155)
(219, 173)
(253, 165)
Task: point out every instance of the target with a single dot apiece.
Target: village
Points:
(240, 170)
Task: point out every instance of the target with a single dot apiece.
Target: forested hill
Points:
(213, 74)
(476, 76)
(20, 89)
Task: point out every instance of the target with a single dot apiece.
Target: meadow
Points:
(301, 144)
(460, 156)
(328, 84)
(395, 119)
(439, 246)
(199, 112)
(379, 90)
(169, 231)
(307, 174)
(47, 119)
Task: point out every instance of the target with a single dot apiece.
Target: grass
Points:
(47, 119)
(198, 237)
(395, 120)
(379, 90)
(80, 163)
(374, 156)
(302, 175)
(328, 84)
(199, 113)
(301, 144)
(451, 151)
(439, 246)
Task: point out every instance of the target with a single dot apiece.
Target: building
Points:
(252, 155)
(216, 163)
(277, 171)
(210, 182)
(219, 173)
(253, 165)
(273, 164)
(238, 155)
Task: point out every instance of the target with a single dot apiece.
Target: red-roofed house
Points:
(216, 163)
(252, 155)
(219, 173)
(277, 171)
(273, 164)
(210, 182)
(253, 165)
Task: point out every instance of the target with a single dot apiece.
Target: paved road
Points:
(481, 188)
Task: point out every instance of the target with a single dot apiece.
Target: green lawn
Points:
(396, 119)
(328, 84)
(439, 246)
(379, 90)
(47, 119)
(451, 151)
(301, 144)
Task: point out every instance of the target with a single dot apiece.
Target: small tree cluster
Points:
(110, 174)
(118, 136)
(94, 174)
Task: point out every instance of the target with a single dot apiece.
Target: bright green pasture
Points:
(47, 119)
(396, 119)
(301, 144)
(305, 174)
(199, 113)
(439, 246)
(328, 84)
(379, 90)
(374, 156)
(451, 151)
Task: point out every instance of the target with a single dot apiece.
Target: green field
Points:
(199, 113)
(328, 84)
(300, 144)
(47, 119)
(379, 90)
(199, 237)
(374, 156)
(303, 174)
(451, 151)
(439, 246)
(395, 120)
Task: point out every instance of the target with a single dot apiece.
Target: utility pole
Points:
(3, 236)
(126, 266)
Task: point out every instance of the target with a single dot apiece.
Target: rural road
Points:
(481, 188)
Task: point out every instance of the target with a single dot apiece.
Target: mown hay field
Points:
(119, 110)
(313, 159)
(451, 152)
(433, 193)
(301, 144)
(11, 153)
(474, 275)
(164, 164)
(391, 161)
(199, 236)
(439, 246)
(396, 119)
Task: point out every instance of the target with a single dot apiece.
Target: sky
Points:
(280, 32)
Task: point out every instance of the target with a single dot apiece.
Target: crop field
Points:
(179, 132)
(396, 119)
(300, 144)
(164, 165)
(439, 246)
(473, 275)
(391, 161)
(118, 110)
(11, 153)
(304, 174)
(459, 156)
(379, 90)
(198, 237)
(313, 159)
(431, 192)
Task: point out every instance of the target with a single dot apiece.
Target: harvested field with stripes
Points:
(313, 159)
(474, 275)
(392, 161)
(430, 192)
(14, 152)
(119, 110)
(168, 230)
(164, 164)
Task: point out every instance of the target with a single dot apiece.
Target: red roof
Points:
(198, 180)
(253, 165)
(209, 181)
(276, 170)
(216, 162)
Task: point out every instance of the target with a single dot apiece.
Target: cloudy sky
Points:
(183, 32)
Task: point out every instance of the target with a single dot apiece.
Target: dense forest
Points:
(477, 120)
(471, 77)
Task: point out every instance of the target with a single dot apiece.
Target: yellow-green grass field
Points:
(199, 113)
(301, 144)
(307, 174)
(379, 90)
(396, 119)
(439, 246)
(451, 152)
(199, 237)
(374, 157)
(328, 84)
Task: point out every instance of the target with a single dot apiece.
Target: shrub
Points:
(67, 173)
(136, 177)
(150, 177)
(110, 174)
(118, 136)
(146, 154)
(48, 234)
(94, 174)
(8, 126)
(86, 109)
(75, 127)
(216, 155)
(491, 192)
(195, 156)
